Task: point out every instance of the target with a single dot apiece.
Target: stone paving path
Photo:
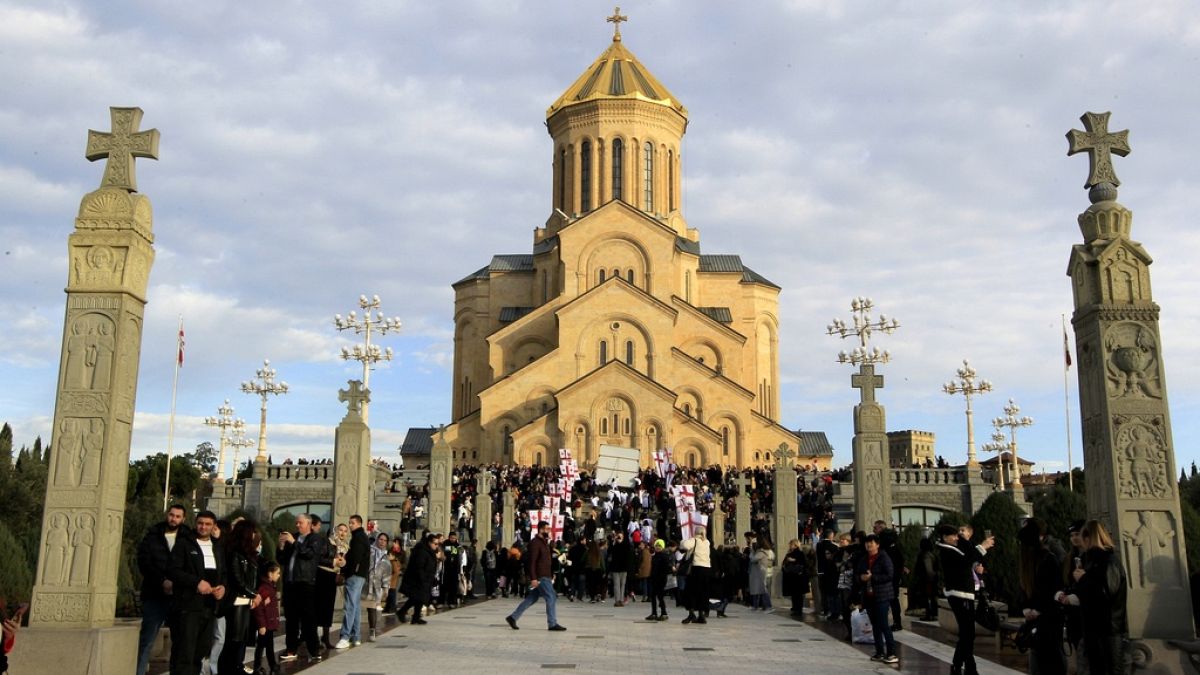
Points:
(603, 638)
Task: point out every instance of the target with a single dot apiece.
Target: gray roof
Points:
(481, 273)
(545, 245)
(750, 276)
(814, 444)
(721, 314)
(510, 314)
(418, 441)
(687, 245)
(720, 263)
(512, 262)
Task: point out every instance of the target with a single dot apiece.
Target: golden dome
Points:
(616, 74)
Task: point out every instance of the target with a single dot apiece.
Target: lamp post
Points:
(237, 442)
(862, 329)
(366, 353)
(264, 385)
(1013, 422)
(998, 445)
(224, 420)
(965, 385)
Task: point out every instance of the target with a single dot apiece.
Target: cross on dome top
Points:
(616, 19)
(121, 146)
(1100, 145)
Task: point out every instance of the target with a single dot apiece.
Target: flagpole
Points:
(1067, 404)
(171, 425)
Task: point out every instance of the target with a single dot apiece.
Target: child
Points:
(266, 617)
(661, 566)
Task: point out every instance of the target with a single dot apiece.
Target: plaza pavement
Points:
(607, 639)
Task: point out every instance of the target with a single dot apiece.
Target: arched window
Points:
(671, 180)
(629, 275)
(603, 352)
(648, 178)
(628, 427)
(562, 180)
(687, 409)
(507, 438)
(602, 273)
(629, 353)
(725, 440)
(585, 177)
(618, 167)
(604, 426)
(616, 273)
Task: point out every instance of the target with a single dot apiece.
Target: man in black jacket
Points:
(829, 558)
(418, 578)
(358, 558)
(154, 561)
(197, 576)
(298, 556)
(889, 541)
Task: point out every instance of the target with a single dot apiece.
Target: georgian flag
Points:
(694, 522)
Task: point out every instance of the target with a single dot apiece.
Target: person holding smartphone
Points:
(12, 624)
(960, 565)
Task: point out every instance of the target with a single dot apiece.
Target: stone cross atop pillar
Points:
(109, 258)
(352, 486)
(787, 513)
(1129, 454)
(872, 484)
(441, 477)
(741, 507)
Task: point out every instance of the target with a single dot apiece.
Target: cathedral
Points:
(616, 329)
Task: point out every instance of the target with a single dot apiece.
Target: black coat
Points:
(187, 571)
(958, 564)
(154, 559)
(308, 554)
(1101, 591)
(795, 579)
(419, 575)
(358, 556)
(241, 581)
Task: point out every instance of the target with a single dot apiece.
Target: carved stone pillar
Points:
(441, 476)
(872, 479)
(508, 529)
(483, 507)
(352, 484)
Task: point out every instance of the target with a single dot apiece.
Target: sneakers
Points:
(891, 658)
(652, 617)
(371, 636)
(512, 623)
(701, 619)
(288, 656)
(556, 627)
(663, 617)
(419, 622)
(355, 643)
(619, 603)
(316, 658)
(878, 657)
(342, 644)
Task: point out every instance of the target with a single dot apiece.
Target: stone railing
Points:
(300, 472)
(951, 476)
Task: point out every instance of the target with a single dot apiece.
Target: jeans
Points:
(878, 611)
(218, 643)
(964, 649)
(352, 619)
(618, 582)
(545, 589)
(154, 614)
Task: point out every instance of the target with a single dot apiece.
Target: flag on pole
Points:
(179, 358)
(1066, 348)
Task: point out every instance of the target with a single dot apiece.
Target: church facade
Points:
(616, 328)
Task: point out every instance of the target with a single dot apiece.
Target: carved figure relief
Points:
(1131, 365)
(90, 452)
(90, 349)
(873, 487)
(112, 551)
(1122, 277)
(58, 541)
(80, 443)
(83, 541)
(1142, 459)
(437, 514)
(1150, 556)
(439, 475)
(873, 453)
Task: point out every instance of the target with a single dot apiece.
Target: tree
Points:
(1002, 516)
(1076, 478)
(205, 458)
(955, 518)
(6, 455)
(16, 579)
(1059, 508)
(1191, 535)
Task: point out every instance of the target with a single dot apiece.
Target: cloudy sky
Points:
(311, 152)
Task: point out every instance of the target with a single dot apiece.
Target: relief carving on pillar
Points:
(1131, 362)
(91, 345)
(438, 477)
(79, 444)
(56, 555)
(873, 453)
(1141, 450)
(83, 541)
(873, 484)
(98, 265)
(62, 607)
(1150, 550)
(84, 403)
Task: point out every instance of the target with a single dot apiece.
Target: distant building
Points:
(909, 447)
(990, 472)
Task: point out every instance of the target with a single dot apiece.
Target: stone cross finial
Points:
(120, 147)
(743, 485)
(616, 19)
(1100, 145)
(355, 396)
(867, 381)
(784, 455)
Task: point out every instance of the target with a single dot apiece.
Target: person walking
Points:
(795, 576)
(875, 573)
(396, 558)
(354, 571)
(1100, 593)
(1041, 579)
(960, 564)
(197, 576)
(699, 550)
(417, 585)
(299, 554)
(154, 561)
(379, 575)
(541, 584)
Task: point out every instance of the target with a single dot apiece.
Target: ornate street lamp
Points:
(263, 385)
(224, 420)
(237, 442)
(366, 353)
(965, 385)
(1013, 422)
(862, 329)
(998, 445)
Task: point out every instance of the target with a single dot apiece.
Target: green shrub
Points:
(1059, 508)
(1002, 516)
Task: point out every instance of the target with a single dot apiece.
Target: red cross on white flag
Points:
(536, 517)
(660, 461)
(564, 454)
(554, 489)
(554, 504)
(558, 523)
(695, 521)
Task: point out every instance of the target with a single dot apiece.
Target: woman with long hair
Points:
(699, 550)
(795, 576)
(1100, 593)
(1040, 579)
(379, 576)
(241, 593)
(762, 570)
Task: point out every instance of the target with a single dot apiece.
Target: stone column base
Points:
(1165, 656)
(76, 651)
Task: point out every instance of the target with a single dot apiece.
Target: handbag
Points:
(685, 566)
(985, 614)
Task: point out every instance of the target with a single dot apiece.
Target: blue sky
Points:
(312, 152)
